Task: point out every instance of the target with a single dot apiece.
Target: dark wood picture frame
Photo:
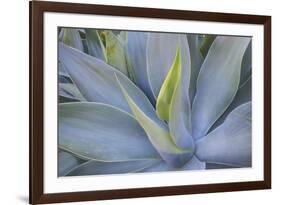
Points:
(37, 9)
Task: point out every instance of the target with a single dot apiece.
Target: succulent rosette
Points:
(133, 102)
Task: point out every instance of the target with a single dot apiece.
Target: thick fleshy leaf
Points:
(161, 49)
(102, 132)
(179, 108)
(136, 50)
(95, 45)
(246, 67)
(96, 80)
(192, 164)
(99, 167)
(196, 62)
(217, 82)
(69, 90)
(168, 88)
(243, 95)
(67, 162)
(157, 132)
(62, 70)
(230, 143)
(206, 44)
(72, 38)
(115, 52)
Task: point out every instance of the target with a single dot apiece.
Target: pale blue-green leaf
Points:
(136, 50)
(194, 164)
(246, 67)
(230, 143)
(95, 45)
(67, 162)
(196, 62)
(217, 82)
(161, 49)
(72, 38)
(62, 70)
(102, 132)
(115, 52)
(159, 167)
(69, 90)
(94, 167)
(243, 95)
(156, 131)
(96, 80)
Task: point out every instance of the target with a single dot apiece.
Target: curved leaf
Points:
(95, 45)
(246, 67)
(115, 52)
(96, 80)
(102, 132)
(168, 88)
(136, 49)
(179, 109)
(98, 167)
(206, 44)
(196, 62)
(157, 132)
(67, 162)
(230, 143)
(71, 37)
(243, 95)
(192, 164)
(69, 90)
(217, 82)
(161, 49)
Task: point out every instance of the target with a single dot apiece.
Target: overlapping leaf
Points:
(217, 82)
(231, 142)
(102, 132)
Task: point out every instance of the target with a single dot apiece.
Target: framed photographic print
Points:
(138, 102)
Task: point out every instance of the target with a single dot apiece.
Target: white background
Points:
(14, 101)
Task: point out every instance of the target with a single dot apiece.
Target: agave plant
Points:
(143, 102)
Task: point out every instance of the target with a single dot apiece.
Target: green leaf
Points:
(115, 52)
(161, 49)
(158, 134)
(206, 44)
(95, 45)
(168, 88)
(72, 38)
(96, 131)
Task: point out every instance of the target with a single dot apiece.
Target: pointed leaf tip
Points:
(168, 88)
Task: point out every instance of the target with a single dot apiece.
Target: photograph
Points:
(132, 102)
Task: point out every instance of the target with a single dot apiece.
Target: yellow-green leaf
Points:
(115, 52)
(158, 135)
(72, 38)
(168, 88)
